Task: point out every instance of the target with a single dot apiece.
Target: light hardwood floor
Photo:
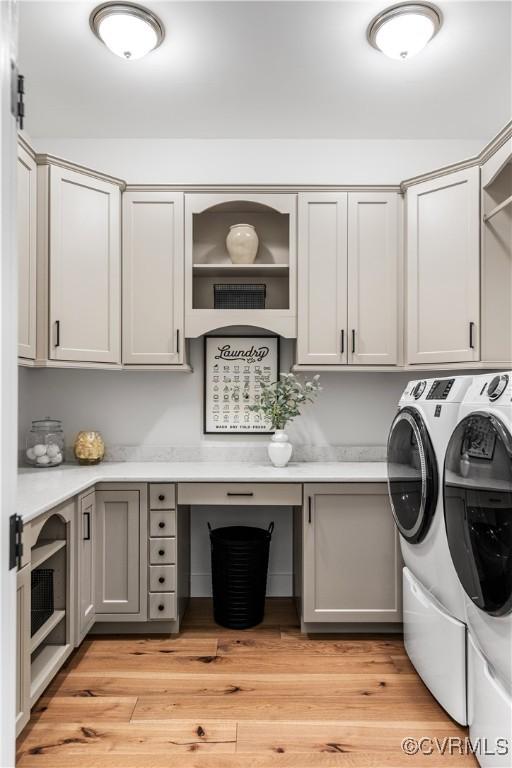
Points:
(218, 698)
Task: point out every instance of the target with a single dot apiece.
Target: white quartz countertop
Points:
(42, 489)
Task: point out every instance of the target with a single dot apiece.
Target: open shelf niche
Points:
(208, 219)
(496, 269)
(51, 642)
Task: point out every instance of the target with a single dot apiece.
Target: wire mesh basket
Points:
(239, 296)
(41, 598)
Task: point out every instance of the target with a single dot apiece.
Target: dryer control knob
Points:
(419, 389)
(497, 387)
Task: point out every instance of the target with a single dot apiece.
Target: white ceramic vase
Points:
(242, 243)
(279, 449)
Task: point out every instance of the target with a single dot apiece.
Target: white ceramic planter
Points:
(279, 449)
(242, 243)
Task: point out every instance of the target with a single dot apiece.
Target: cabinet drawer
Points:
(162, 496)
(284, 494)
(162, 522)
(162, 578)
(162, 606)
(162, 551)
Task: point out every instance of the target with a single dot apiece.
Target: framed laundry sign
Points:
(234, 369)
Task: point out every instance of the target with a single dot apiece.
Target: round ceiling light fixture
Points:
(403, 30)
(128, 30)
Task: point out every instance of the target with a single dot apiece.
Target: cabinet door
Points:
(23, 584)
(85, 560)
(153, 287)
(351, 555)
(443, 256)
(322, 279)
(27, 222)
(118, 552)
(373, 278)
(85, 276)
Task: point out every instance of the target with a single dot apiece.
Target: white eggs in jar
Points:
(45, 443)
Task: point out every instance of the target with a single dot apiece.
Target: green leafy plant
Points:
(281, 401)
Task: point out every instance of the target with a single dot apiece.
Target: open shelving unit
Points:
(496, 256)
(50, 644)
(207, 222)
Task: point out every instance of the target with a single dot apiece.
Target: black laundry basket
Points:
(239, 574)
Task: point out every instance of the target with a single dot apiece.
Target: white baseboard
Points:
(278, 585)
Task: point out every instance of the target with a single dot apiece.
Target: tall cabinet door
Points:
(351, 555)
(120, 525)
(443, 263)
(373, 278)
(153, 283)
(322, 279)
(85, 268)
(86, 541)
(27, 222)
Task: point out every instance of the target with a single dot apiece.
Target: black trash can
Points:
(239, 574)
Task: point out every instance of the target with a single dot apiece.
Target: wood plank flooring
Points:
(218, 698)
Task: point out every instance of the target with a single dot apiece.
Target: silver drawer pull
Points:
(247, 493)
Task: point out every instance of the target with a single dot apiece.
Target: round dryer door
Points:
(478, 510)
(412, 475)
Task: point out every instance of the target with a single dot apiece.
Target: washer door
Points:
(412, 475)
(478, 510)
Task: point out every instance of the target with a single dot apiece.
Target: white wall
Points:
(277, 161)
(157, 408)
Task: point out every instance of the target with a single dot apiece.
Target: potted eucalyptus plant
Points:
(279, 403)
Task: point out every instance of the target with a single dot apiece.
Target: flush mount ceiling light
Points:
(128, 30)
(403, 30)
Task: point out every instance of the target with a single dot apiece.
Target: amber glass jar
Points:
(89, 447)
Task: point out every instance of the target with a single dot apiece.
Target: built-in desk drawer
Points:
(162, 578)
(162, 551)
(275, 494)
(162, 522)
(162, 606)
(161, 496)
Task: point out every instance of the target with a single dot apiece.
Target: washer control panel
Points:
(440, 389)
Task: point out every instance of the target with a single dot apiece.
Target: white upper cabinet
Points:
(84, 268)
(27, 238)
(373, 278)
(322, 279)
(153, 287)
(443, 263)
(349, 268)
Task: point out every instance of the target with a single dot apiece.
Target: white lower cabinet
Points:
(86, 586)
(22, 648)
(121, 557)
(351, 555)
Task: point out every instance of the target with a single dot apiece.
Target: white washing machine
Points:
(477, 492)
(433, 601)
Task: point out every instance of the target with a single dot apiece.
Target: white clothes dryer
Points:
(433, 601)
(477, 490)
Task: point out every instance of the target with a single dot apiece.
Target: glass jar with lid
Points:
(45, 443)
